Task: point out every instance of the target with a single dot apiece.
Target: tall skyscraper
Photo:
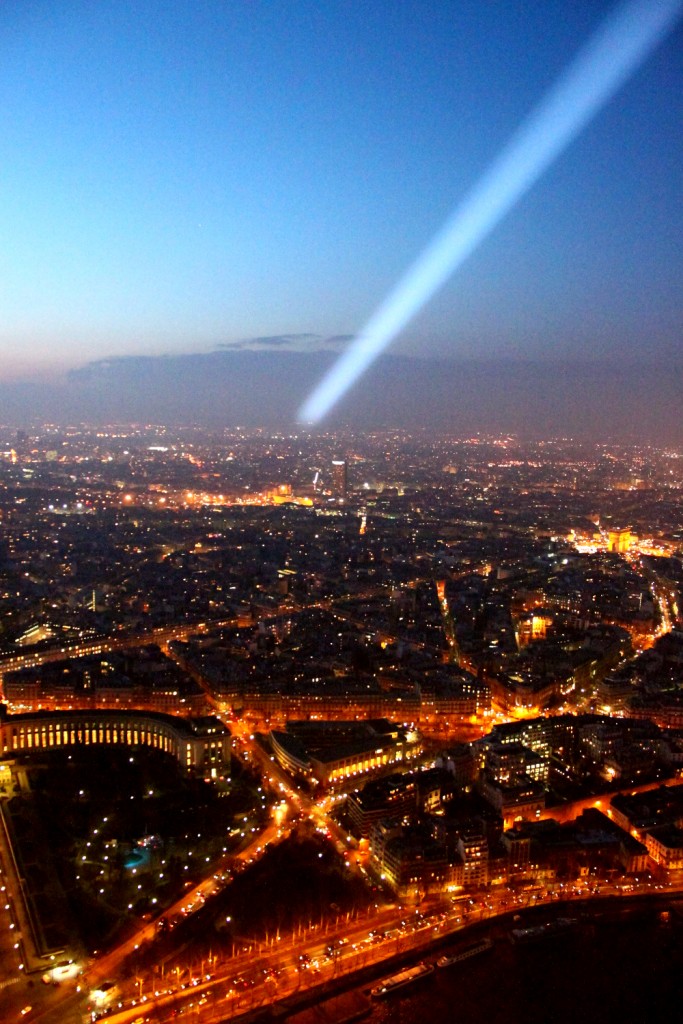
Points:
(339, 478)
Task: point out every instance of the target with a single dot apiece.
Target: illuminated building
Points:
(619, 541)
(640, 812)
(517, 842)
(533, 626)
(201, 744)
(333, 752)
(520, 799)
(435, 788)
(409, 860)
(473, 847)
(441, 699)
(281, 495)
(543, 735)
(665, 710)
(618, 740)
(334, 704)
(339, 478)
(613, 691)
(29, 694)
(446, 694)
(394, 797)
(140, 679)
(508, 762)
(34, 634)
(665, 845)
(523, 693)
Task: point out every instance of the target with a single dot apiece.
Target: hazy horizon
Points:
(591, 400)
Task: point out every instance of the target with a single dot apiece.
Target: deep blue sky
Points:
(179, 175)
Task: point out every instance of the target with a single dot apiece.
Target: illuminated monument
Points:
(619, 540)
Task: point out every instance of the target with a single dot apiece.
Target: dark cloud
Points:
(284, 341)
(339, 339)
(591, 400)
(281, 340)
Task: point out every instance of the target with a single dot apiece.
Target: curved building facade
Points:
(198, 744)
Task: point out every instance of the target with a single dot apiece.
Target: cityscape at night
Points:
(284, 714)
(341, 511)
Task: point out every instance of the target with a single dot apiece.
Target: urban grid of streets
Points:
(264, 972)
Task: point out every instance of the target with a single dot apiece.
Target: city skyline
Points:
(285, 716)
(181, 181)
(341, 541)
(589, 400)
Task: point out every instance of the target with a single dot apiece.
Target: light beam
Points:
(601, 67)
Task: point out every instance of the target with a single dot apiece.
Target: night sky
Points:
(183, 177)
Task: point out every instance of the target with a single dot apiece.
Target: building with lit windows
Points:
(198, 744)
(392, 797)
(410, 861)
(24, 693)
(473, 847)
(331, 753)
(665, 845)
(531, 627)
(665, 710)
(337, 702)
(508, 762)
(638, 813)
(139, 679)
(545, 736)
(340, 481)
(517, 800)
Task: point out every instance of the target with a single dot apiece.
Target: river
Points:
(625, 967)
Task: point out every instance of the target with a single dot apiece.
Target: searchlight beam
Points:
(604, 64)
